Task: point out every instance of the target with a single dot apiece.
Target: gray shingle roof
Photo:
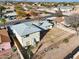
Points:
(25, 28)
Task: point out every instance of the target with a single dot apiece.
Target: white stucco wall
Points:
(18, 37)
(30, 39)
(25, 41)
(50, 27)
(36, 36)
(66, 9)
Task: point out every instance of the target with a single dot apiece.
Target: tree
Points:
(3, 21)
(29, 52)
(33, 13)
(22, 14)
(1, 9)
(75, 25)
(59, 13)
(56, 4)
(73, 21)
(18, 7)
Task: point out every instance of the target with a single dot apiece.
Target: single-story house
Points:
(28, 33)
(63, 8)
(10, 16)
(9, 10)
(45, 25)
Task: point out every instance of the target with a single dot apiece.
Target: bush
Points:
(14, 49)
(66, 40)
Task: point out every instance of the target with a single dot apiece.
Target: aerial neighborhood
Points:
(39, 30)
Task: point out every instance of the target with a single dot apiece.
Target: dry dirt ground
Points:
(53, 46)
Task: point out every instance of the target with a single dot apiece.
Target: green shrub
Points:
(66, 40)
(14, 49)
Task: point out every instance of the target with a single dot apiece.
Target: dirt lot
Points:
(51, 42)
(9, 54)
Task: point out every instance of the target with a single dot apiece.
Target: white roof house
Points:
(25, 28)
(28, 33)
(63, 8)
(11, 14)
(9, 10)
(45, 25)
(22, 32)
(51, 18)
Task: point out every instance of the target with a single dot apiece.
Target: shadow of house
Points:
(43, 33)
(10, 34)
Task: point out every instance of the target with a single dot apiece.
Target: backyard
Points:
(51, 41)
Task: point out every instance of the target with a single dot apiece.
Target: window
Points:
(27, 35)
(40, 24)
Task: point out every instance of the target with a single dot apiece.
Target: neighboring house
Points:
(28, 33)
(8, 11)
(66, 19)
(74, 18)
(10, 15)
(51, 18)
(65, 8)
(42, 9)
(25, 7)
(45, 25)
(4, 40)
